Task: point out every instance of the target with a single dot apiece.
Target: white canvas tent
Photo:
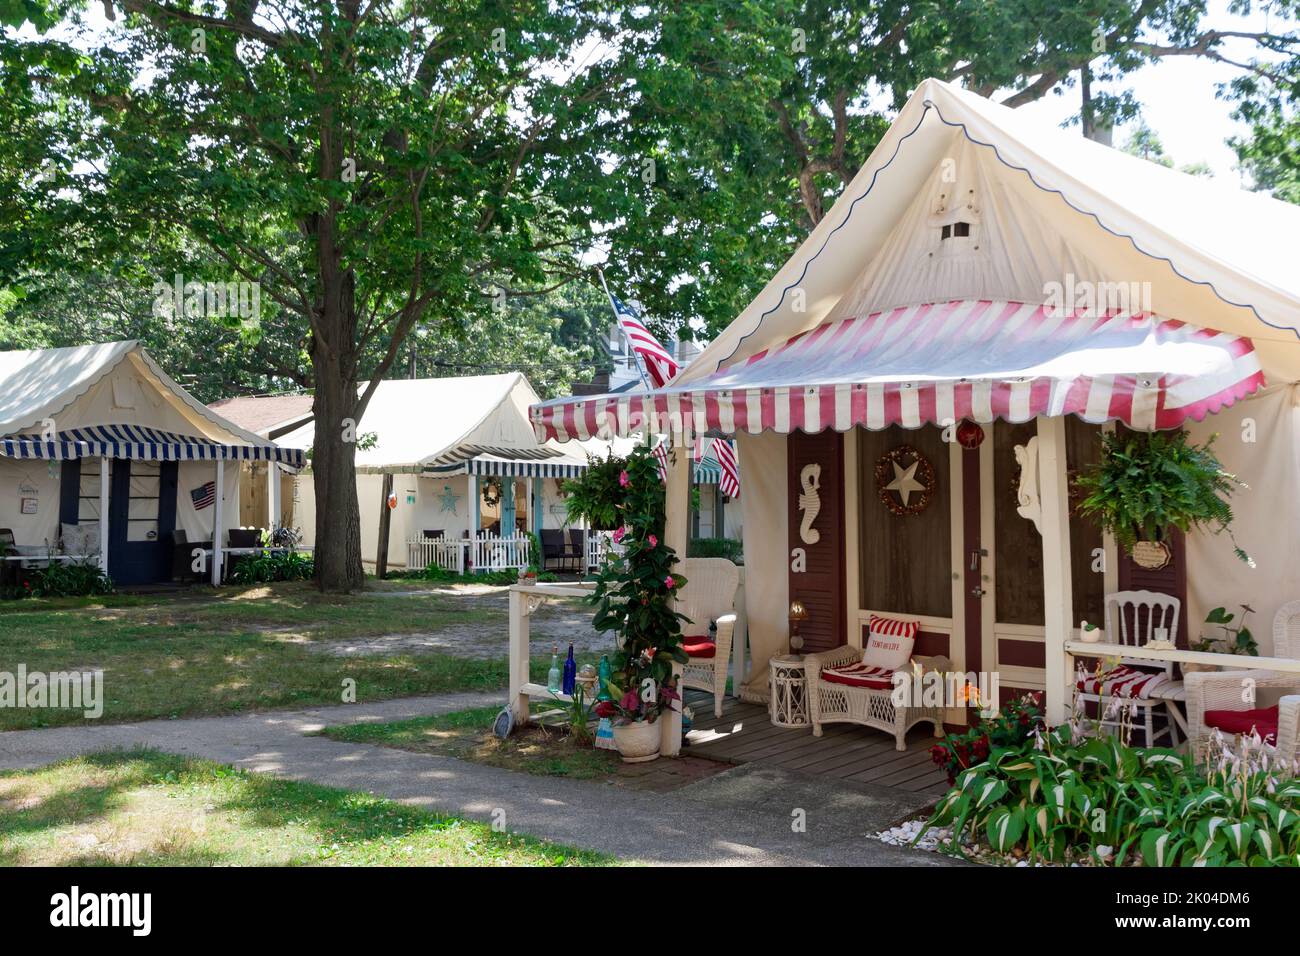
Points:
(100, 436)
(440, 438)
(971, 270)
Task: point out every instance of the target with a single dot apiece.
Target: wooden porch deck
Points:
(850, 752)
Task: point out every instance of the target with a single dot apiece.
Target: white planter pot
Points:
(637, 742)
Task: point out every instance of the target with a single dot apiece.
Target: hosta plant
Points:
(1062, 799)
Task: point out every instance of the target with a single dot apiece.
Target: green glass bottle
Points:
(554, 677)
(604, 673)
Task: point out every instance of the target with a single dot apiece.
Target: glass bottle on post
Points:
(570, 678)
(554, 677)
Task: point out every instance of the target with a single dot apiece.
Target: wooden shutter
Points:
(821, 585)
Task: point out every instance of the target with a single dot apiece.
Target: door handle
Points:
(977, 591)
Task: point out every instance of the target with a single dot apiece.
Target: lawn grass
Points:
(145, 808)
(466, 734)
(228, 651)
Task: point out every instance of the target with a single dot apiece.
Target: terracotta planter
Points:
(638, 741)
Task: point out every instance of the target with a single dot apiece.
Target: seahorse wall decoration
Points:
(810, 502)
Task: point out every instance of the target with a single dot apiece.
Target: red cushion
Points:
(859, 675)
(1264, 720)
(699, 646)
(1123, 681)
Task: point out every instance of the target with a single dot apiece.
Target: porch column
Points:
(507, 506)
(677, 509)
(536, 512)
(272, 495)
(104, 463)
(218, 515)
(1054, 497)
(476, 503)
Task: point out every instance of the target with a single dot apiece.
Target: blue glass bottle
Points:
(570, 672)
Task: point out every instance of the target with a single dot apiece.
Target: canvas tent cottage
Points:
(103, 457)
(912, 390)
(455, 463)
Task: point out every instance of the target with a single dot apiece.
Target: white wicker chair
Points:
(1162, 612)
(709, 596)
(1223, 690)
(830, 703)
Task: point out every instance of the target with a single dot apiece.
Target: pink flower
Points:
(618, 535)
(623, 479)
(630, 703)
(669, 582)
(654, 542)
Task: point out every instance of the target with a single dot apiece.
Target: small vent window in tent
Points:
(958, 230)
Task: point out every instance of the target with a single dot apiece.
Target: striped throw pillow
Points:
(889, 642)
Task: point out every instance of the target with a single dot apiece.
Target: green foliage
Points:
(1011, 727)
(441, 575)
(1235, 640)
(1100, 800)
(596, 496)
(272, 566)
(1145, 485)
(728, 548)
(61, 579)
(635, 592)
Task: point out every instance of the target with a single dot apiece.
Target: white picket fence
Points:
(500, 554)
(491, 553)
(449, 553)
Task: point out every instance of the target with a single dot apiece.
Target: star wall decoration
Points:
(905, 480)
(448, 499)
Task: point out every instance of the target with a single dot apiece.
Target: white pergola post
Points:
(218, 510)
(1058, 599)
(677, 513)
(272, 495)
(103, 512)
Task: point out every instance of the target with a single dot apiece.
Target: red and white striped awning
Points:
(937, 364)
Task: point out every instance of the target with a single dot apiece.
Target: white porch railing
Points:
(500, 554)
(598, 545)
(451, 554)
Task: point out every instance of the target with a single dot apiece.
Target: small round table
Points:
(789, 684)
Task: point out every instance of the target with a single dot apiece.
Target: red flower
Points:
(630, 702)
(654, 542)
(605, 708)
(623, 479)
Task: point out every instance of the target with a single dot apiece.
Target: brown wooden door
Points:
(817, 575)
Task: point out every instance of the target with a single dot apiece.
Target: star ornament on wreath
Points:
(905, 480)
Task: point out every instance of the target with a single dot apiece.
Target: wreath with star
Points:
(905, 480)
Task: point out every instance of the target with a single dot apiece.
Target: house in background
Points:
(104, 457)
(271, 417)
(451, 459)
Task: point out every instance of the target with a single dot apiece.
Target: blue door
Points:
(141, 519)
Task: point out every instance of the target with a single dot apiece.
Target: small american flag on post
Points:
(661, 459)
(658, 364)
(204, 495)
(725, 453)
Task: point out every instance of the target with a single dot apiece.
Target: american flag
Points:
(725, 453)
(204, 495)
(661, 459)
(659, 365)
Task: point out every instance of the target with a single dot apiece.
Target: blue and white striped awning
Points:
(141, 443)
(491, 467)
(707, 472)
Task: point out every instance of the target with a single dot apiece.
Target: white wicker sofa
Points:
(868, 702)
(1215, 698)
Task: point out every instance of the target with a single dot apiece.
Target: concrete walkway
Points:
(746, 815)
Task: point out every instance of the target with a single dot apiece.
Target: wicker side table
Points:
(788, 705)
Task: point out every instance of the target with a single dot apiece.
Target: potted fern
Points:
(1147, 484)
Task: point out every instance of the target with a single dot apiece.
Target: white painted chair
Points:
(1218, 692)
(709, 597)
(1134, 618)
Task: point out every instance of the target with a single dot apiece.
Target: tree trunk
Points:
(334, 362)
